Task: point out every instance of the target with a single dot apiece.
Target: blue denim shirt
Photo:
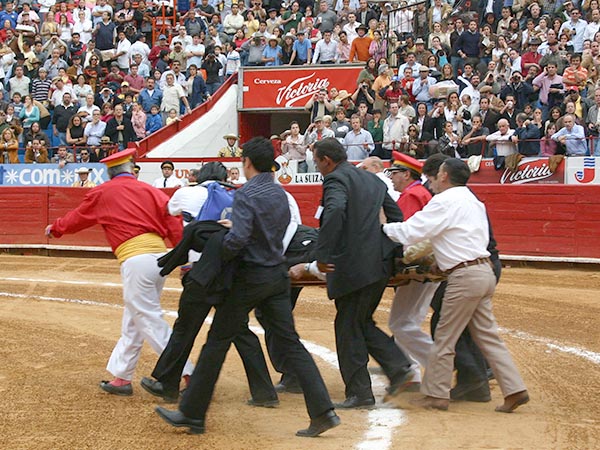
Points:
(260, 217)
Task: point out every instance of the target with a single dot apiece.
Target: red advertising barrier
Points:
(288, 88)
(529, 171)
(530, 220)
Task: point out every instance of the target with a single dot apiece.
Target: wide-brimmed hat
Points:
(361, 27)
(83, 170)
(342, 95)
(290, 35)
(419, 41)
(231, 136)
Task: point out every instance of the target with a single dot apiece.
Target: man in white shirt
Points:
(97, 11)
(86, 111)
(195, 52)
(182, 37)
(358, 142)
(502, 139)
(168, 180)
(395, 128)
(350, 27)
(122, 51)
(592, 27)
(326, 50)
(374, 165)
(577, 28)
(139, 47)
(455, 222)
(411, 62)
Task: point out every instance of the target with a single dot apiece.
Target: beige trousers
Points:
(468, 301)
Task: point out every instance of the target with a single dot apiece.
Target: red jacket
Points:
(413, 198)
(126, 208)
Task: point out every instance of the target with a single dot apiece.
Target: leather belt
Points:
(473, 262)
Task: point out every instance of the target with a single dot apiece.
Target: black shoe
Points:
(400, 384)
(157, 389)
(292, 389)
(320, 424)
(476, 392)
(178, 419)
(272, 403)
(354, 402)
(125, 390)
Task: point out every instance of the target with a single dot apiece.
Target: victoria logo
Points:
(527, 172)
(300, 89)
(588, 173)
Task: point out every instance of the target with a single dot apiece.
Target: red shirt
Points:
(126, 208)
(529, 58)
(413, 198)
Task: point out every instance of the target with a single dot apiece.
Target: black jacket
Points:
(113, 133)
(350, 235)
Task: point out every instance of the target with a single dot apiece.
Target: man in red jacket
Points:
(411, 301)
(136, 221)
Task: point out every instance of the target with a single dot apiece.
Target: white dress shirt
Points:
(454, 221)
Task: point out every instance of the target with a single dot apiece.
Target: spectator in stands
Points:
(9, 145)
(62, 115)
(231, 150)
(35, 132)
(572, 136)
(527, 136)
(474, 142)
(326, 50)
(358, 142)
(19, 83)
(340, 126)
(359, 49)
(319, 104)
(575, 74)
(150, 95)
(75, 132)
(36, 153)
(301, 51)
(62, 156)
(501, 139)
(212, 67)
(294, 147)
(120, 129)
(196, 87)
(272, 53)
(316, 132)
(395, 130)
(173, 95)
(84, 156)
(154, 121)
(29, 113)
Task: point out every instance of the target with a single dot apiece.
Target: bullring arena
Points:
(60, 318)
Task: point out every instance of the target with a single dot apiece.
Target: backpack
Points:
(218, 203)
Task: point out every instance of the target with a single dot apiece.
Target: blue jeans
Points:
(212, 87)
(457, 63)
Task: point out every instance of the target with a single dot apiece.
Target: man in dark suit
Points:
(489, 118)
(120, 129)
(357, 258)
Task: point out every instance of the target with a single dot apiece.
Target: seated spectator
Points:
(94, 130)
(36, 153)
(9, 145)
(35, 132)
(153, 120)
(84, 178)
(84, 156)
(62, 157)
(572, 136)
(75, 132)
(168, 179)
(231, 150)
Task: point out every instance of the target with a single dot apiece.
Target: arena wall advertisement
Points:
(276, 88)
(583, 171)
(48, 174)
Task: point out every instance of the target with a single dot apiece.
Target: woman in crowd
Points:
(9, 145)
(81, 90)
(107, 112)
(294, 148)
(29, 113)
(369, 72)
(93, 73)
(124, 16)
(138, 120)
(548, 146)
(378, 46)
(501, 48)
(375, 127)
(287, 48)
(250, 25)
(65, 29)
(75, 131)
(49, 27)
(35, 132)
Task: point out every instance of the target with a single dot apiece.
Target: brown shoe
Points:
(428, 402)
(513, 401)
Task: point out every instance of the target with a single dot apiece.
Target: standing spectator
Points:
(138, 120)
(197, 90)
(29, 113)
(233, 59)
(340, 126)
(157, 50)
(358, 142)
(9, 145)
(62, 115)
(395, 130)
(87, 109)
(104, 36)
(420, 87)
(233, 21)
(294, 148)
(40, 87)
(150, 95)
(575, 75)
(359, 49)
(19, 83)
(94, 130)
(316, 132)
(195, 52)
(326, 19)
(172, 96)
(212, 67)
(83, 26)
(572, 136)
(122, 51)
(577, 27)
(326, 50)
(99, 10)
(252, 50)
(302, 51)
(319, 104)
(136, 81)
(120, 129)
(468, 44)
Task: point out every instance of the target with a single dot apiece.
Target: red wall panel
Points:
(534, 220)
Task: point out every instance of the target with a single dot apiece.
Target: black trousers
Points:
(287, 378)
(191, 315)
(357, 336)
(273, 298)
(471, 366)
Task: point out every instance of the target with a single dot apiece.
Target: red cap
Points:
(402, 161)
(119, 158)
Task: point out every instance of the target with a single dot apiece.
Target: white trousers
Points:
(409, 308)
(142, 317)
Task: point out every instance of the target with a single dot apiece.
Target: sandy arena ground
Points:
(57, 335)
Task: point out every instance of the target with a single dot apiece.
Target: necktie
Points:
(165, 183)
(82, 183)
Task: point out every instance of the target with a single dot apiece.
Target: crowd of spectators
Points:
(439, 76)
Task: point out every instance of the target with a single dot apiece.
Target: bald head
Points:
(372, 164)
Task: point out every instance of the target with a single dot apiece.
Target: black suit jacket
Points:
(350, 235)
(113, 133)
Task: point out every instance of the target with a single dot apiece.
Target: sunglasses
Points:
(84, 154)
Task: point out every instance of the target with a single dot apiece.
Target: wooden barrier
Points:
(529, 220)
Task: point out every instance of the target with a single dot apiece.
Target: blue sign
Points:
(48, 174)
